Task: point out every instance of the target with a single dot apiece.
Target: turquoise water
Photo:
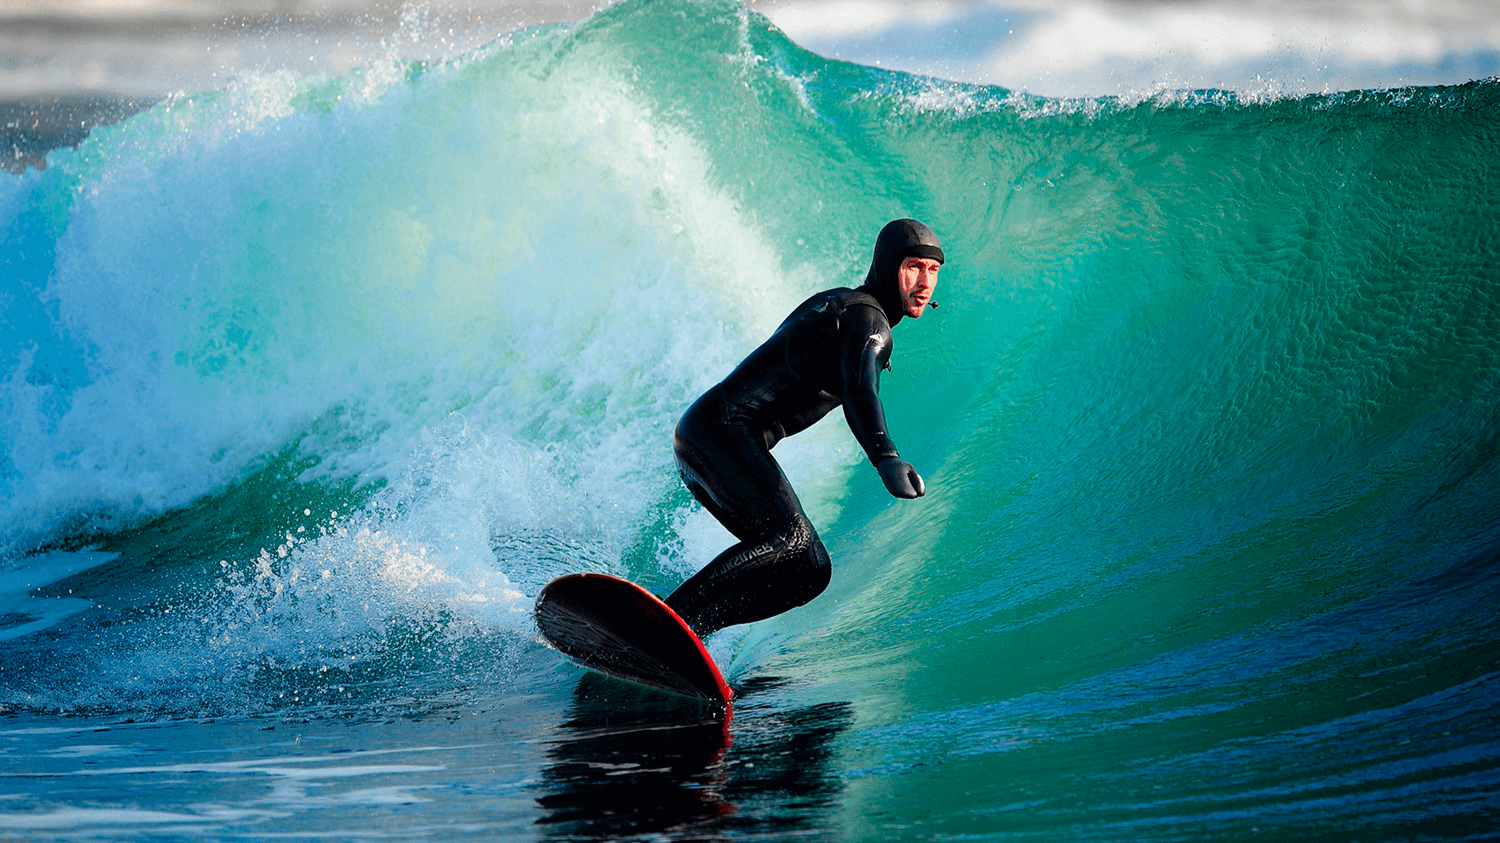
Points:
(310, 383)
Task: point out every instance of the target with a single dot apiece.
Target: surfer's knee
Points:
(755, 580)
(814, 554)
(813, 569)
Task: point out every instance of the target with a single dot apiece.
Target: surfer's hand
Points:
(900, 478)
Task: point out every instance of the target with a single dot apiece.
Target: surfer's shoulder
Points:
(839, 300)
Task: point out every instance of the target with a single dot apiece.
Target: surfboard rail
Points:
(615, 627)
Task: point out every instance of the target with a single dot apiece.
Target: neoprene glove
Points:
(901, 479)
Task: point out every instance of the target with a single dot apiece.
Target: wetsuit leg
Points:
(779, 562)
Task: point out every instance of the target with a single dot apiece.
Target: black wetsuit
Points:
(828, 352)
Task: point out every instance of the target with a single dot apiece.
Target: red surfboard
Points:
(619, 629)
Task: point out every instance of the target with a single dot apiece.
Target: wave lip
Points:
(1081, 49)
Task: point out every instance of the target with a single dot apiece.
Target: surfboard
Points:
(617, 628)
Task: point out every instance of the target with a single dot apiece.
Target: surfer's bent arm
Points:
(867, 349)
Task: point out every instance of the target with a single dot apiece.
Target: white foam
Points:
(499, 315)
(241, 272)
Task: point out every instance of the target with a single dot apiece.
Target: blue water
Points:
(311, 382)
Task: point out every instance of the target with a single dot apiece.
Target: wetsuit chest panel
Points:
(797, 376)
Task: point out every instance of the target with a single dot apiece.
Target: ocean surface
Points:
(308, 384)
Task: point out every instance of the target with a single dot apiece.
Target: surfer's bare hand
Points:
(901, 479)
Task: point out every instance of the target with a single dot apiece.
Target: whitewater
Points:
(309, 383)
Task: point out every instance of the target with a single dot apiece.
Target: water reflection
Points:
(633, 762)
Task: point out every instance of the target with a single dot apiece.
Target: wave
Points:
(311, 382)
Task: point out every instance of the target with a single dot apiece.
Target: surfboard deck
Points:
(617, 628)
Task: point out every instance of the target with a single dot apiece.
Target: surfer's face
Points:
(915, 280)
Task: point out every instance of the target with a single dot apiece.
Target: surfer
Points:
(828, 352)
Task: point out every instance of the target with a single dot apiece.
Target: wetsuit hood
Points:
(899, 240)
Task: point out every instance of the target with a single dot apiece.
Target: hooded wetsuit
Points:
(828, 352)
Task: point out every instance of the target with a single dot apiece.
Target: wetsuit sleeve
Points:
(866, 350)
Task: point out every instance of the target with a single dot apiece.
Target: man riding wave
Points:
(829, 352)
